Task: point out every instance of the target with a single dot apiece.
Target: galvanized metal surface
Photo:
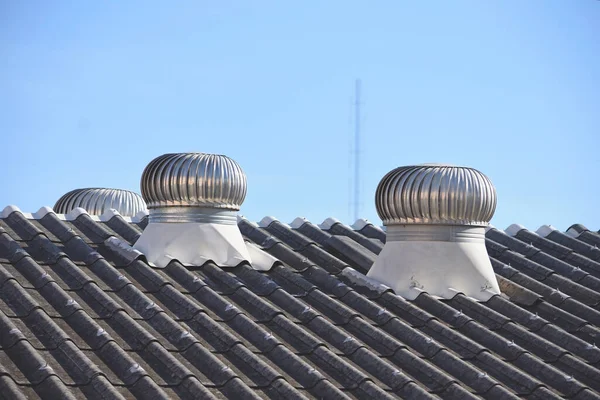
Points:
(98, 200)
(193, 180)
(435, 194)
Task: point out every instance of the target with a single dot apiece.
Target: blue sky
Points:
(92, 91)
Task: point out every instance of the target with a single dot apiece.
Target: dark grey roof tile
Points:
(455, 317)
(146, 388)
(415, 339)
(124, 367)
(143, 223)
(289, 236)
(293, 306)
(512, 243)
(581, 310)
(11, 250)
(190, 388)
(549, 246)
(455, 391)
(586, 394)
(494, 248)
(127, 231)
(190, 281)
(479, 381)
(29, 274)
(137, 304)
(542, 348)
(9, 390)
(341, 229)
(404, 309)
(256, 371)
(15, 300)
(531, 321)
(129, 331)
(109, 275)
(571, 243)
(145, 276)
(94, 334)
(567, 287)
(297, 368)
(566, 270)
(340, 370)
(259, 309)
(551, 313)
(81, 252)
(236, 389)
(352, 252)
(433, 378)
(281, 389)
(292, 282)
(7, 272)
(464, 347)
(221, 306)
(44, 251)
(589, 333)
(589, 237)
(313, 232)
(182, 306)
(187, 327)
(545, 329)
(44, 330)
(95, 232)
(326, 281)
(385, 370)
(366, 307)
(579, 347)
(371, 231)
(324, 389)
(54, 388)
(323, 259)
(506, 348)
(215, 369)
(584, 373)
(34, 367)
(165, 364)
(258, 235)
(337, 337)
(334, 310)
(23, 228)
(254, 333)
(498, 392)
(292, 335)
(225, 282)
(525, 265)
(259, 283)
(6, 229)
(295, 260)
(478, 311)
(92, 299)
(563, 383)
(518, 381)
(212, 334)
(373, 337)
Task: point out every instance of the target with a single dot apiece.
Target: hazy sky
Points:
(92, 91)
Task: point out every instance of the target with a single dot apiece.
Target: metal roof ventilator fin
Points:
(193, 199)
(436, 217)
(97, 201)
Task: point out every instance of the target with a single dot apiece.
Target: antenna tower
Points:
(356, 200)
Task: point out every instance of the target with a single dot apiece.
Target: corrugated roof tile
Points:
(81, 317)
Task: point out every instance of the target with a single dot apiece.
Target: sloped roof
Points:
(83, 315)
